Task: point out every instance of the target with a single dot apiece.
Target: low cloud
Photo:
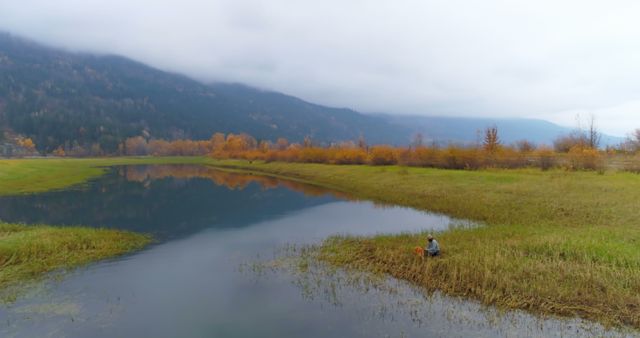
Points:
(544, 59)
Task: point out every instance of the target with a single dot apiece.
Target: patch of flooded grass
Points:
(389, 300)
(27, 252)
(50, 309)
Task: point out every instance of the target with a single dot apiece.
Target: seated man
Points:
(433, 248)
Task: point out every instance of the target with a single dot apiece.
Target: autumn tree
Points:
(217, 141)
(282, 144)
(235, 144)
(181, 147)
(28, 145)
(136, 146)
(264, 146)
(59, 152)
(96, 150)
(159, 147)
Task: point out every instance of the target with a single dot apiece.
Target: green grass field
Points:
(20, 176)
(556, 242)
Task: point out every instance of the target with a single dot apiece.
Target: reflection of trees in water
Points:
(384, 304)
(167, 207)
(231, 180)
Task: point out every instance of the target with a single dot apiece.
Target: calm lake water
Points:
(200, 278)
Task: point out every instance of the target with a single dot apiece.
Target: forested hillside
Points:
(59, 98)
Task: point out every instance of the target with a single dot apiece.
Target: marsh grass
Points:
(532, 276)
(387, 299)
(555, 242)
(27, 252)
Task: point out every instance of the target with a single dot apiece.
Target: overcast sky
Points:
(544, 59)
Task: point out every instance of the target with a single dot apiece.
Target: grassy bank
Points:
(562, 243)
(20, 176)
(29, 251)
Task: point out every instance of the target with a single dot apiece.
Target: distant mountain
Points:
(467, 129)
(58, 97)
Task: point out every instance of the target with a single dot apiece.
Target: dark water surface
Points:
(198, 280)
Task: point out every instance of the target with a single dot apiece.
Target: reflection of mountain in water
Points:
(167, 201)
(231, 180)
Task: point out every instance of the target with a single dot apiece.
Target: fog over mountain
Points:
(543, 59)
(61, 98)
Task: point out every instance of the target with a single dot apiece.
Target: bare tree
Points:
(632, 144)
(307, 142)
(593, 134)
(418, 140)
(576, 138)
(491, 139)
(362, 143)
(525, 146)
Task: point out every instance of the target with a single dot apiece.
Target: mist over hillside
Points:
(59, 98)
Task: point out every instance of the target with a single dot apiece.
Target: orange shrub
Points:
(313, 155)
(244, 146)
(349, 156)
(583, 158)
(462, 158)
(428, 157)
(382, 155)
(291, 154)
(545, 158)
(507, 158)
(253, 155)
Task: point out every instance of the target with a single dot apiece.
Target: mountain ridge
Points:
(71, 99)
(469, 129)
(63, 98)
